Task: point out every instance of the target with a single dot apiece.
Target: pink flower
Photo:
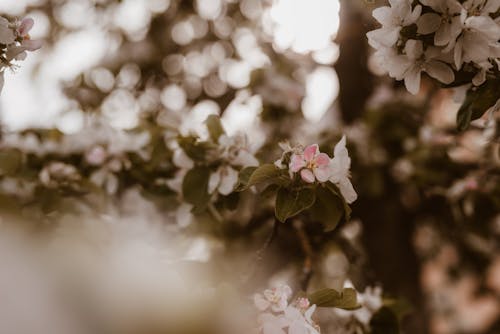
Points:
(312, 164)
(24, 27)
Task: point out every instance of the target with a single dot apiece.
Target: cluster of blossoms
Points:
(439, 37)
(231, 154)
(313, 165)
(14, 42)
(277, 316)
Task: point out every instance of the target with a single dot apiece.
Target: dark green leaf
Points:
(214, 127)
(477, 101)
(346, 299)
(384, 321)
(291, 202)
(195, 149)
(195, 186)
(328, 208)
(244, 177)
(10, 161)
(347, 209)
(265, 173)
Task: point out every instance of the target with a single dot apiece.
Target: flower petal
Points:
(322, 173)
(228, 181)
(310, 152)
(440, 71)
(428, 23)
(322, 159)
(214, 180)
(297, 163)
(25, 26)
(383, 15)
(412, 80)
(307, 175)
(347, 190)
(414, 49)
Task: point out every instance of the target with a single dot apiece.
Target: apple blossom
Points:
(400, 14)
(339, 169)
(419, 62)
(444, 22)
(276, 298)
(311, 164)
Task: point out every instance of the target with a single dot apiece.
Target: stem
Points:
(270, 238)
(307, 270)
(260, 253)
(215, 213)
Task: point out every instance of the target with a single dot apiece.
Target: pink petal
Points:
(32, 44)
(310, 152)
(322, 173)
(297, 163)
(26, 25)
(307, 175)
(322, 159)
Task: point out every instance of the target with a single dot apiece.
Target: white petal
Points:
(6, 35)
(428, 23)
(412, 80)
(458, 53)
(183, 215)
(260, 302)
(439, 71)
(383, 15)
(414, 49)
(413, 17)
(245, 159)
(387, 36)
(486, 25)
(214, 180)
(479, 78)
(228, 181)
(180, 159)
(347, 190)
(2, 80)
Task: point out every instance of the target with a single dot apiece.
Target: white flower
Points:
(370, 301)
(390, 61)
(339, 167)
(183, 215)
(235, 150)
(224, 179)
(419, 62)
(276, 299)
(445, 23)
(478, 41)
(181, 159)
(393, 18)
(7, 35)
(298, 322)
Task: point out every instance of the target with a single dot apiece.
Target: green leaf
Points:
(214, 126)
(328, 208)
(334, 189)
(384, 321)
(244, 177)
(477, 101)
(291, 202)
(196, 150)
(265, 173)
(231, 201)
(195, 187)
(346, 299)
(10, 161)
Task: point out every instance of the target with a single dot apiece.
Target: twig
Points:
(307, 270)
(259, 256)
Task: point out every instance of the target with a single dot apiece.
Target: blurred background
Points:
(426, 225)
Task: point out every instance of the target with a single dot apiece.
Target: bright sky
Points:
(36, 99)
